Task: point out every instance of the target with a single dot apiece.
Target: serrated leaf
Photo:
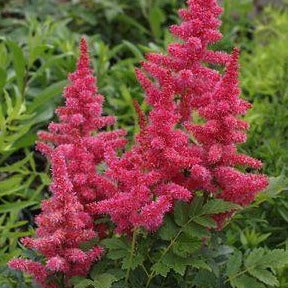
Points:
(216, 206)
(196, 206)
(137, 260)
(254, 257)
(175, 262)
(196, 230)
(115, 244)
(205, 221)
(275, 258)
(264, 276)
(161, 269)
(200, 264)
(185, 245)
(104, 281)
(117, 273)
(234, 263)
(116, 254)
(246, 281)
(79, 282)
(76, 280)
(205, 279)
(168, 230)
(181, 213)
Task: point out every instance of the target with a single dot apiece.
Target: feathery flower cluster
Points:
(74, 152)
(173, 157)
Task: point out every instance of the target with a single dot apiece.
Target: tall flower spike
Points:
(165, 164)
(74, 151)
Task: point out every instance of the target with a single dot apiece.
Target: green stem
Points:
(236, 275)
(173, 241)
(133, 245)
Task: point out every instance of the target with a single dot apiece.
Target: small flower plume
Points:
(74, 152)
(173, 156)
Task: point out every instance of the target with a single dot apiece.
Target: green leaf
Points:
(196, 230)
(133, 48)
(216, 206)
(185, 245)
(205, 279)
(161, 269)
(196, 206)
(254, 257)
(156, 18)
(9, 207)
(18, 166)
(169, 229)
(284, 213)
(264, 276)
(259, 260)
(10, 182)
(26, 140)
(178, 264)
(104, 280)
(116, 254)
(276, 186)
(52, 91)
(234, 263)
(19, 63)
(205, 221)
(181, 213)
(138, 259)
(118, 249)
(245, 281)
(8, 102)
(115, 244)
(276, 258)
(200, 264)
(3, 77)
(84, 284)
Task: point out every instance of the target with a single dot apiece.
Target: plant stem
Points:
(236, 275)
(133, 245)
(172, 242)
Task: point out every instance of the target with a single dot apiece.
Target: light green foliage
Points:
(264, 80)
(17, 194)
(28, 94)
(257, 269)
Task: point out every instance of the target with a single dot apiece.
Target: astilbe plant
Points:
(74, 150)
(173, 156)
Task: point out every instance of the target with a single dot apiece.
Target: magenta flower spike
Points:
(74, 151)
(173, 156)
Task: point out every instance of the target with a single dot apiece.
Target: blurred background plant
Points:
(38, 40)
